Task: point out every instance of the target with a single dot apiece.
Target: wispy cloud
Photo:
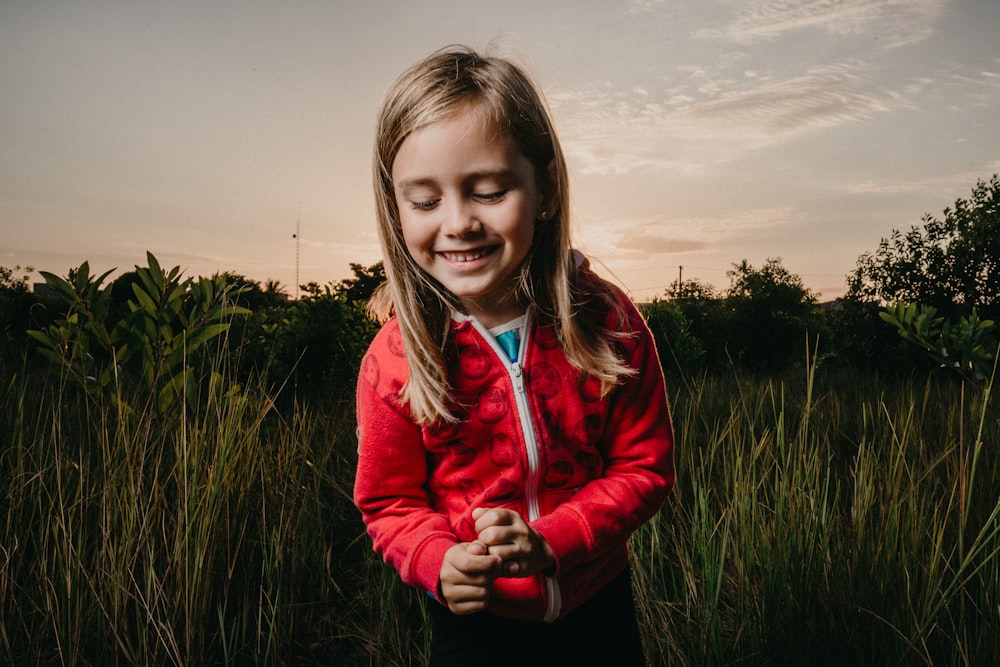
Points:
(960, 182)
(642, 240)
(707, 119)
(822, 96)
(895, 22)
(692, 117)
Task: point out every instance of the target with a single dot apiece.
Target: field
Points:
(823, 517)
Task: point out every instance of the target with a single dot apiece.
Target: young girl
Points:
(512, 418)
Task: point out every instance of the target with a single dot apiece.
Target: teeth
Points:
(463, 256)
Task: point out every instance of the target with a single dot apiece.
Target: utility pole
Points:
(297, 237)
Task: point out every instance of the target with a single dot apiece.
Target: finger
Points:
(517, 533)
(495, 516)
(465, 599)
(484, 564)
(477, 548)
(465, 608)
(494, 536)
(512, 568)
(504, 553)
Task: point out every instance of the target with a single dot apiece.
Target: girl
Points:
(512, 418)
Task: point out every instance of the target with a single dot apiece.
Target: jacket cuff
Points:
(426, 565)
(565, 532)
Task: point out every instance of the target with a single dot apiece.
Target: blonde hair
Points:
(451, 80)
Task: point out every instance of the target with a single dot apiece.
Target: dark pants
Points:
(603, 631)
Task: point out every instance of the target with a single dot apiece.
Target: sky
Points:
(237, 136)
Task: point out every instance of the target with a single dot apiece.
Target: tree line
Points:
(924, 297)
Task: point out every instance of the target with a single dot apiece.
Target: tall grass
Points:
(827, 520)
(216, 534)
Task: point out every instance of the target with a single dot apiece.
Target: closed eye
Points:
(424, 205)
(491, 197)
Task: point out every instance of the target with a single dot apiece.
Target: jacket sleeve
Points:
(638, 464)
(390, 485)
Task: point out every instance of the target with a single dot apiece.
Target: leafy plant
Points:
(967, 346)
(170, 320)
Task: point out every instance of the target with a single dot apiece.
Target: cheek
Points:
(526, 229)
(413, 236)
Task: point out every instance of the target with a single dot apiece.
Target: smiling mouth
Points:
(468, 255)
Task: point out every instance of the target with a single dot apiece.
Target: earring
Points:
(544, 216)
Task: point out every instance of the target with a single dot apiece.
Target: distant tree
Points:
(274, 292)
(860, 338)
(252, 294)
(361, 287)
(702, 308)
(951, 264)
(760, 323)
(316, 344)
(16, 305)
(14, 279)
(770, 314)
(678, 347)
(691, 290)
(122, 292)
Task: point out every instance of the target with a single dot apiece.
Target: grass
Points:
(827, 521)
(826, 518)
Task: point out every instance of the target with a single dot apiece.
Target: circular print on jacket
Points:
(558, 474)
(370, 370)
(395, 343)
(460, 454)
(544, 380)
(470, 489)
(588, 429)
(494, 405)
(590, 462)
(545, 338)
(503, 491)
(503, 450)
(473, 361)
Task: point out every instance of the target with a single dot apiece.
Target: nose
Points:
(460, 219)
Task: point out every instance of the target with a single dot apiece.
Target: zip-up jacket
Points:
(534, 436)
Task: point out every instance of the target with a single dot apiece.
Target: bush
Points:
(681, 353)
(313, 347)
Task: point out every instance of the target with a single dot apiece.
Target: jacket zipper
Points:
(516, 371)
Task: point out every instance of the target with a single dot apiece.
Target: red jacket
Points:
(535, 437)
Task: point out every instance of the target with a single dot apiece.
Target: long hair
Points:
(451, 80)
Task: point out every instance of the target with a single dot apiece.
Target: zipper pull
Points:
(518, 376)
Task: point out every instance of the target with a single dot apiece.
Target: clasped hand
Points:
(506, 546)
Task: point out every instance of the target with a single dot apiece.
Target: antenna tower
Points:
(298, 220)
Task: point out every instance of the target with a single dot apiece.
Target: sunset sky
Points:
(698, 132)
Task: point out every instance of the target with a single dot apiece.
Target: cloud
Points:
(735, 95)
(943, 182)
(895, 23)
(823, 96)
(704, 120)
(652, 244)
(640, 240)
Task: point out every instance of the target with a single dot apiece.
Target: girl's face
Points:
(468, 200)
